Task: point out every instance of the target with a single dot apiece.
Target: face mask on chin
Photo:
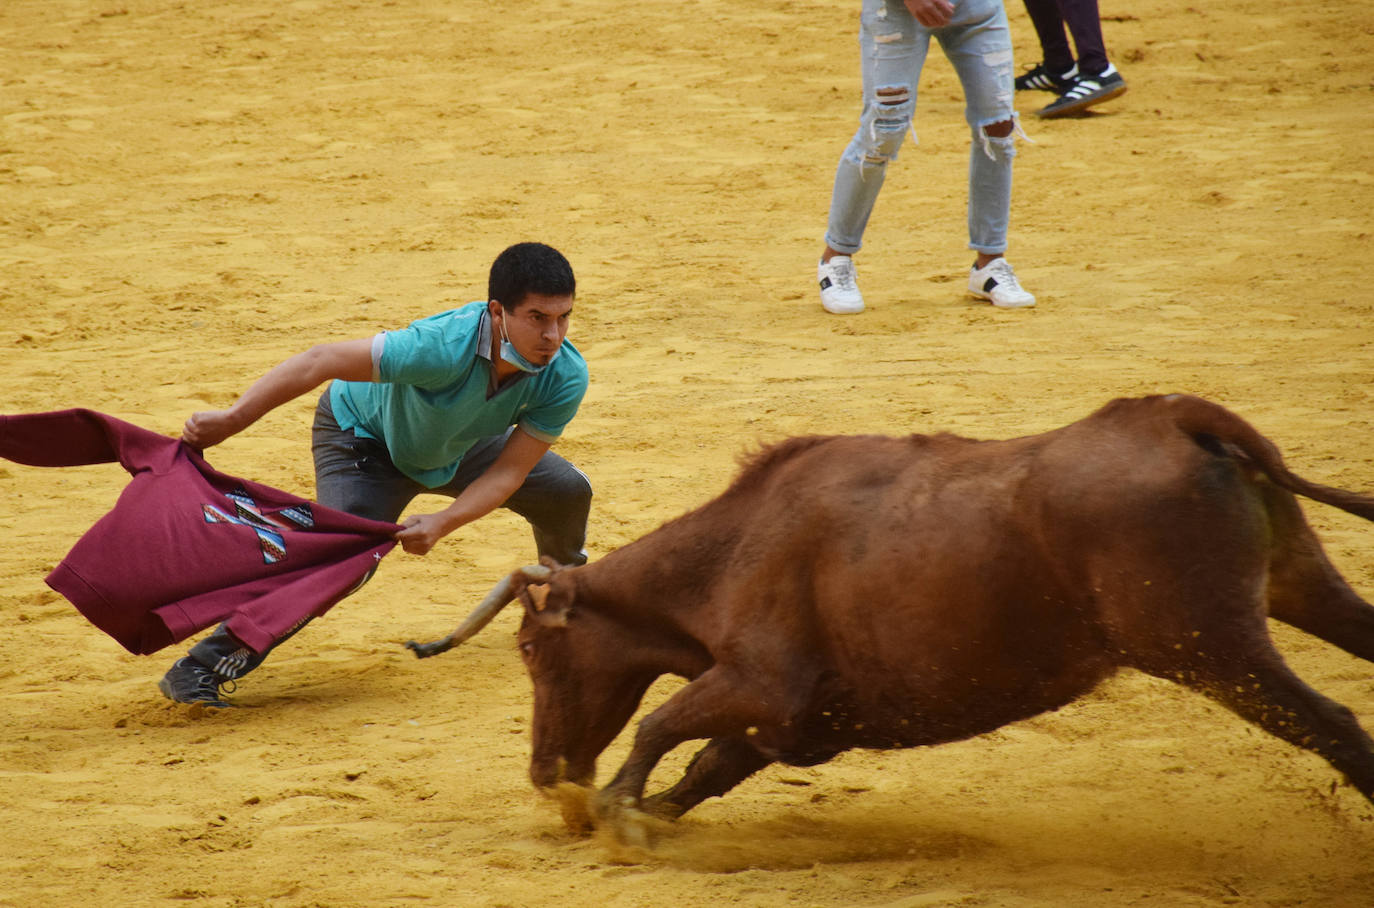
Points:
(514, 357)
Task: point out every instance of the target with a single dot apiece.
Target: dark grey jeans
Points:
(356, 475)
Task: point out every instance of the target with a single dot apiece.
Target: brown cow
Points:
(881, 592)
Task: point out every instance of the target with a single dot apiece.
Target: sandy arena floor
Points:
(194, 190)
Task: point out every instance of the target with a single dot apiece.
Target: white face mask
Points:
(514, 357)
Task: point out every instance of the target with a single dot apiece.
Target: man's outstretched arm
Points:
(349, 360)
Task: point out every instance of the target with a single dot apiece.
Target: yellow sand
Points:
(192, 191)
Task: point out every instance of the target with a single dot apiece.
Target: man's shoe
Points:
(1038, 78)
(187, 681)
(839, 291)
(1084, 93)
(996, 282)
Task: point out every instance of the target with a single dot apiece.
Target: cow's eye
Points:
(527, 649)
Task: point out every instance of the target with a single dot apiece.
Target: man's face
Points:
(537, 326)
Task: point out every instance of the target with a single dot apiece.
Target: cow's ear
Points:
(545, 605)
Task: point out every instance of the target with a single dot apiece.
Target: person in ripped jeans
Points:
(894, 38)
(464, 404)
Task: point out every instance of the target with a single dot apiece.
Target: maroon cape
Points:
(186, 546)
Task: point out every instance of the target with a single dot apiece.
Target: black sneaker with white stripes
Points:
(1084, 93)
(1038, 78)
(187, 681)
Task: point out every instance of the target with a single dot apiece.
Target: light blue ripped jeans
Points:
(894, 45)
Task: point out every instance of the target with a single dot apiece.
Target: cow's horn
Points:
(499, 597)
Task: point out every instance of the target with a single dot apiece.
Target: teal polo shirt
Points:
(428, 401)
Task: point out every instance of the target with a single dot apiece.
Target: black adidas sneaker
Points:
(1084, 93)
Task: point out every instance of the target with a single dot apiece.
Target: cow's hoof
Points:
(622, 816)
(575, 806)
(632, 827)
(609, 802)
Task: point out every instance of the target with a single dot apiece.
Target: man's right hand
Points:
(931, 13)
(209, 428)
(287, 380)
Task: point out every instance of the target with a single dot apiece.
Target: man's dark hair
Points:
(529, 268)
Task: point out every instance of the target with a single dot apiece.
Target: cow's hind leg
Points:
(1266, 692)
(1305, 589)
(718, 767)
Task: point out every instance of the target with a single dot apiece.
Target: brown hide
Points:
(891, 592)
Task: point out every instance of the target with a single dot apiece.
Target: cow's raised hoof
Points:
(622, 816)
(631, 826)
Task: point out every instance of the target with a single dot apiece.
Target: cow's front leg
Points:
(718, 704)
(717, 768)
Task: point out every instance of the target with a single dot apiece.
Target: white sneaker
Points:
(839, 292)
(997, 282)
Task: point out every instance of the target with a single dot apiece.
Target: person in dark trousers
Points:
(1080, 83)
(463, 404)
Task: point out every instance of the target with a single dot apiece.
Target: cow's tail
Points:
(1210, 424)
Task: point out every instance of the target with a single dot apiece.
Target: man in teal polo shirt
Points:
(465, 404)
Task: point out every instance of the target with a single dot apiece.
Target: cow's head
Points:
(589, 675)
(589, 668)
